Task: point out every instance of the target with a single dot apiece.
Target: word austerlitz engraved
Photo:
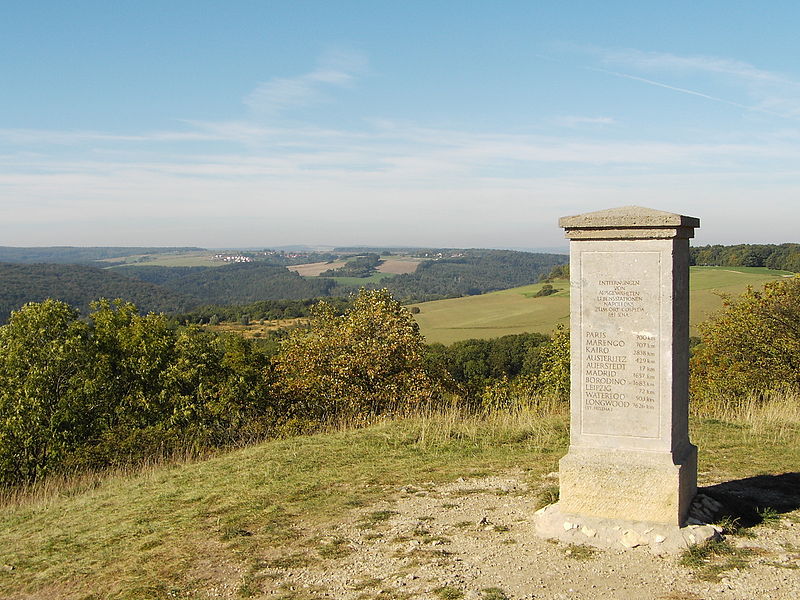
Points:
(630, 458)
(620, 364)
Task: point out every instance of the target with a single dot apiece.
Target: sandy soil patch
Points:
(475, 539)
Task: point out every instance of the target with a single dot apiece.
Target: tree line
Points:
(78, 285)
(163, 289)
(783, 257)
(79, 254)
(122, 387)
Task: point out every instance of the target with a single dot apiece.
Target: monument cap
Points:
(629, 222)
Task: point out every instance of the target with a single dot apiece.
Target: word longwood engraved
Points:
(630, 456)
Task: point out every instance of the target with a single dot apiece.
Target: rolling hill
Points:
(516, 310)
(157, 289)
(79, 285)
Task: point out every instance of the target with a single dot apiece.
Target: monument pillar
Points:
(630, 457)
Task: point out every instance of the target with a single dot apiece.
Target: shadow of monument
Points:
(750, 499)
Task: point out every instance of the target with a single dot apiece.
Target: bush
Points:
(365, 362)
(555, 360)
(752, 345)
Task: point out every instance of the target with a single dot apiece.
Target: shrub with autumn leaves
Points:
(364, 362)
(752, 345)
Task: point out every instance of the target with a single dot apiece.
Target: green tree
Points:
(43, 354)
(367, 361)
(121, 388)
(750, 345)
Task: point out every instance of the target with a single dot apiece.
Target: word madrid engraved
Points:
(630, 457)
(620, 323)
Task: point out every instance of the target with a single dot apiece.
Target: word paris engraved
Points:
(630, 457)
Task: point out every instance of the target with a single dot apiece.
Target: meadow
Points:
(357, 282)
(517, 310)
(202, 258)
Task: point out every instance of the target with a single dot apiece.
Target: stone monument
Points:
(630, 475)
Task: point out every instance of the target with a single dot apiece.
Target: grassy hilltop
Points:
(518, 310)
(433, 504)
(252, 522)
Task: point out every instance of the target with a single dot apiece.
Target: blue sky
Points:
(466, 124)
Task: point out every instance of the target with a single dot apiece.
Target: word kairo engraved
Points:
(630, 457)
(619, 375)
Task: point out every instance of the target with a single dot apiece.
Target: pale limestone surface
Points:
(630, 457)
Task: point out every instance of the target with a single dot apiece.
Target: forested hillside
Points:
(77, 254)
(178, 289)
(158, 289)
(78, 285)
(477, 272)
(247, 282)
(158, 274)
(784, 257)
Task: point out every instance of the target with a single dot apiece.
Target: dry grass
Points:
(399, 266)
(534, 423)
(314, 269)
(774, 411)
(186, 529)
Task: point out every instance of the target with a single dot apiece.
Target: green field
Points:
(517, 311)
(176, 259)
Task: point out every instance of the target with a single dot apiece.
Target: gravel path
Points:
(475, 539)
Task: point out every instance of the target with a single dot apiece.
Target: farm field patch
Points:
(314, 269)
(399, 265)
(178, 259)
(495, 314)
(707, 283)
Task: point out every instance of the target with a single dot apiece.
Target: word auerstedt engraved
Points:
(630, 475)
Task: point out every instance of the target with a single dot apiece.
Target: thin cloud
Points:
(675, 88)
(709, 64)
(773, 93)
(337, 68)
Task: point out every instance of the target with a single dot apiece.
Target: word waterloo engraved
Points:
(630, 460)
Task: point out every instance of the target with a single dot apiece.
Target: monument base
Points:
(618, 534)
(651, 487)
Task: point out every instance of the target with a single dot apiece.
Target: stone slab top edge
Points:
(628, 217)
(628, 222)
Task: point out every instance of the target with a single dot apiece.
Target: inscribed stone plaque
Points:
(630, 457)
(620, 329)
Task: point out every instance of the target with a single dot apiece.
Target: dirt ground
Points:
(475, 539)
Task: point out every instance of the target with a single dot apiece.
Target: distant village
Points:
(251, 256)
(233, 258)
